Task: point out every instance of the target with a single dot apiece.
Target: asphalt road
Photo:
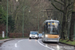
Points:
(33, 44)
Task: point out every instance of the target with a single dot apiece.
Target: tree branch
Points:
(57, 8)
(69, 4)
(69, 0)
(70, 7)
(59, 2)
(62, 1)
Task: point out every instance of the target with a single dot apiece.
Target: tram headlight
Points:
(57, 36)
(46, 35)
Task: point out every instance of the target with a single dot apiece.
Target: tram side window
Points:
(45, 28)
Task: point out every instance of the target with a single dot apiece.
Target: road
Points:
(33, 44)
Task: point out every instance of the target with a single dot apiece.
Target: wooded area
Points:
(34, 16)
(67, 21)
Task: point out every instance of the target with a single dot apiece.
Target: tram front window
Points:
(51, 30)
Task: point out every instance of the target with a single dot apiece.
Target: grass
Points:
(68, 42)
(12, 37)
(3, 38)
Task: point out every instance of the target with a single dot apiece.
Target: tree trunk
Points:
(71, 35)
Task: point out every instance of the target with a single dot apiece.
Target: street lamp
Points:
(23, 22)
(38, 23)
(49, 13)
(29, 11)
(16, 0)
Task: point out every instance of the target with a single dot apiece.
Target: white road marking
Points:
(45, 46)
(17, 43)
(58, 47)
(20, 41)
(38, 42)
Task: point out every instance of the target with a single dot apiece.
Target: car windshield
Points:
(40, 34)
(34, 33)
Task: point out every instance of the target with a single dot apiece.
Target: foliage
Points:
(3, 38)
(3, 18)
(30, 19)
(11, 23)
(2, 15)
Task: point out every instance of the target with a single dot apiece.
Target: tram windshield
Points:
(51, 28)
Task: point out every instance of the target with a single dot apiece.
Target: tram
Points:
(51, 31)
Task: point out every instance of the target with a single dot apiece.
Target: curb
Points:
(67, 44)
(5, 41)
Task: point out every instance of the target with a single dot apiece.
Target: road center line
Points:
(45, 46)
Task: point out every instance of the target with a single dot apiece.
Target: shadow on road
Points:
(51, 42)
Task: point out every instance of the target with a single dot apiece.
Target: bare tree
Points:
(66, 10)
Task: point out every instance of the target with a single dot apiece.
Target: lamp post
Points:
(7, 21)
(23, 22)
(49, 13)
(38, 23)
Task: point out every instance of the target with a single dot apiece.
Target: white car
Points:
(33, 34)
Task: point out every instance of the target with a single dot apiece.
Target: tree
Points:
(72, 29)
(2, 15)
(11, 23)
(30, 19)
(3, 18)
(66, 10)
(0, 0)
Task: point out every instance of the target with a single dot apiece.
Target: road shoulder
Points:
(4, 40)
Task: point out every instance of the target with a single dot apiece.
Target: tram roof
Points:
(51, 20)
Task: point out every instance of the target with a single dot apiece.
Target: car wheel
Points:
(29, 38)
(37, 38)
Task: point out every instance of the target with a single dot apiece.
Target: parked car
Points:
(33, 34)
(40, 35)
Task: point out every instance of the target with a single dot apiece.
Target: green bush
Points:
(3, 38)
